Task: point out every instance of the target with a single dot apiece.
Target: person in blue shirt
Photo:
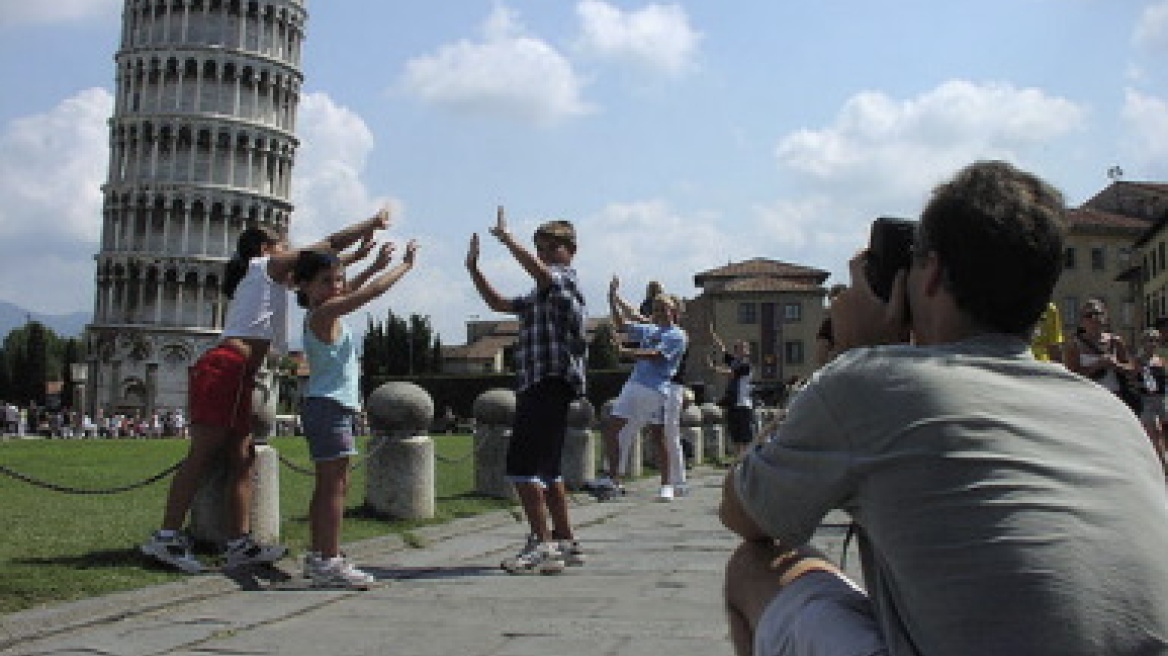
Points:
(660, 347)
(333, 398)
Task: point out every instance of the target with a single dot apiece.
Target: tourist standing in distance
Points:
(333, 397)
(220, 391)
(736, 400)
(650, 397)
(1004, 506)
(550, 358)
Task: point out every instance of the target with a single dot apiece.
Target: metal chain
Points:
(357, 462)
(55, 487)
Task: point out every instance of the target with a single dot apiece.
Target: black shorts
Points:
(537, 437)
(740, 422)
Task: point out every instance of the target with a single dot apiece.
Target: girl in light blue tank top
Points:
(333, 396)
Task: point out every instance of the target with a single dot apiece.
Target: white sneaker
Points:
(246, 551)
(173, 549)
(572, 552)
(666, 493)
(336, 573)
(536, 558)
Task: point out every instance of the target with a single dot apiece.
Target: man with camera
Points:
(1004, 506)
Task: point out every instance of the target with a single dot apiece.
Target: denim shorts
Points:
(328, 425)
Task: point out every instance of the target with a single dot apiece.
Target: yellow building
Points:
(1111, 255)
(775, 306)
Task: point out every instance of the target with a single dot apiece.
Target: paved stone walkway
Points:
(652, 586)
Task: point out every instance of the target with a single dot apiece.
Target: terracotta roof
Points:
(761, 267)
(769, 285)
(1088, 218)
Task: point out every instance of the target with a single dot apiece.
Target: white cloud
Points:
(887, 147)
(328, 189)
(507, 74)
(52, 166)
(15, 12)
(1146, 123)
(1152, 30)
(657, 37)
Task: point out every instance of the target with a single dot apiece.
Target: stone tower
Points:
(202, 142)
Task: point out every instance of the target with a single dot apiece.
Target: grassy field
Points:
(64, 546)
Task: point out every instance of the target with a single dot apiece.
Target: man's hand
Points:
(500, 228)
(472, 253)
(861, 318)
(613, 286)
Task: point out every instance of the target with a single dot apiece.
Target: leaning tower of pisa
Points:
(202, 142)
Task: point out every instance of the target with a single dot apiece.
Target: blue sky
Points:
(678, 136)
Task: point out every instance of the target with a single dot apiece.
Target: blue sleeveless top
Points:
(333, 369)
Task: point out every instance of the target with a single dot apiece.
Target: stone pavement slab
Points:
(651, 586)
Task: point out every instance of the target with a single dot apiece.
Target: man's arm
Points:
(734, 515)
(493, 299)
(280, 264)
(530, 263)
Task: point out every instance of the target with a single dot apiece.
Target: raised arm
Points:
(383, 258)
(526, 259)
(363, 249)
(353, 299)
(493, 299)
(622, 312)
(281, 264)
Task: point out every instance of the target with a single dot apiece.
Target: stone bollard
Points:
(691, 431)
(209, 510)
(714, 431)
(400, 480)
(494, 413)
(634, 459)
(579, 458)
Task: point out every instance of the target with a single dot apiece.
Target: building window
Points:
(747, 313)
(1124, 253)
(793, 352)
(1097, 263)
(1069, 258)
(1160, 257)
(792, 312)
(1070, 310)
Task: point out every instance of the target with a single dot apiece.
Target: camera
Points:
(889, 251)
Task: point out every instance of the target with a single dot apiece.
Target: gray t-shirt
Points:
(1006, 506)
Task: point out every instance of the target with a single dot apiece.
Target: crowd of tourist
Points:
(36, 421)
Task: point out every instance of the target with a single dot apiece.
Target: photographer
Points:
(1004, 506)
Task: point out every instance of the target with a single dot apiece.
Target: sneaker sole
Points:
(187, 568)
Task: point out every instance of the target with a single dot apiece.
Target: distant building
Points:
(1110, 255)
(202, 143)
(775, 306)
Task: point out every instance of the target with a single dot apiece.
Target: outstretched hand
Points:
(364, 248)
(499, 231)
(385, 255)
(472, 252)
(613, 286)
(382, 219)
(411, 252)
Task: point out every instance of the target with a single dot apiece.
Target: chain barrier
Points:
(56, 487)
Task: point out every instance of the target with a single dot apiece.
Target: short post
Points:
(400, 479)
(209, 508)
(494, 413)
(691, 431)
(713, 431)
(579, 458)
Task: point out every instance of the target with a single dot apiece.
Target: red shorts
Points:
(220, 390)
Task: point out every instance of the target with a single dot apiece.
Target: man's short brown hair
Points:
(559, 230)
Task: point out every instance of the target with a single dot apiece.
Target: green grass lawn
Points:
(60, 547)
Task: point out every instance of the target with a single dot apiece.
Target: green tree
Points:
(602, 352)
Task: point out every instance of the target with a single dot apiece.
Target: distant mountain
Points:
(64, 325)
